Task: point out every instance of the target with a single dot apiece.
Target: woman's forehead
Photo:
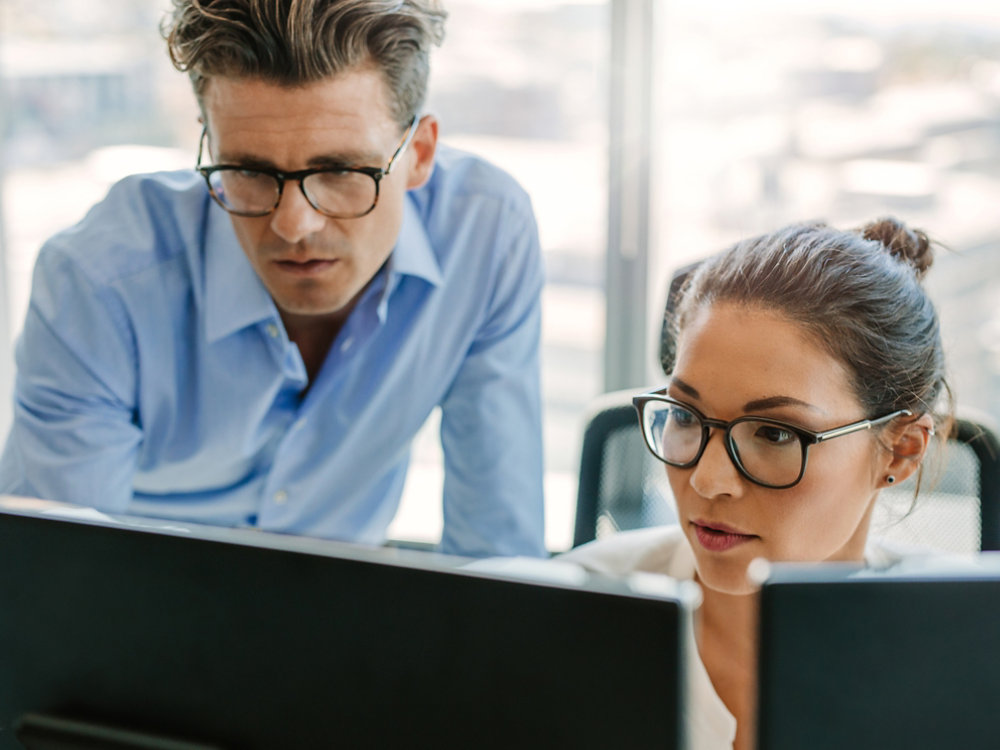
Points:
(733, 354)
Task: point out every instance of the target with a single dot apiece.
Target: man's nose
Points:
(294, 218)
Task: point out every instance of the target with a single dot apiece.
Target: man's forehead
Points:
(344, 117)
(358, 94)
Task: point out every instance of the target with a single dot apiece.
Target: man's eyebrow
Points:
(246, 160)
(346, 159)
(325, 161)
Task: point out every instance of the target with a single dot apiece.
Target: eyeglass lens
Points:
(769, 453)
(334, 193)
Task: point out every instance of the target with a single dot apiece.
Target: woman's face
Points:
(733, 361)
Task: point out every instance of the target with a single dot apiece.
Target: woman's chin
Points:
(729, 579)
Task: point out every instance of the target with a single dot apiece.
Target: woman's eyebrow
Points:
(774, 402)
(760, 404)
(690, 390)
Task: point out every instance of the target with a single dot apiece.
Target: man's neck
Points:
(314, 335)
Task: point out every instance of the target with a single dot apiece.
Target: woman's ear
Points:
(907, 443)
(423, 146)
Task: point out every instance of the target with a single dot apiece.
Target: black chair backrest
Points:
(958, 507)
(622, 486)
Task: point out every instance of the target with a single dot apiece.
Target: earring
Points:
(890, 479)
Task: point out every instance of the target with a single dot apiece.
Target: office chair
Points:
(622, 486)
(958, 508)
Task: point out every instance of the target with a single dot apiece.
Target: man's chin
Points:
(330, 306)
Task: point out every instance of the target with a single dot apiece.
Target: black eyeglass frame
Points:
(807, 437)
(376, 173)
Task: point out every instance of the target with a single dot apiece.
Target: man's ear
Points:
(907, 442)
(422, 146)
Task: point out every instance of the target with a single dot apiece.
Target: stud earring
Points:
(890, 479)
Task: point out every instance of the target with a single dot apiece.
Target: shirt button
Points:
(272, 330)
(347, 344)
(281, 497)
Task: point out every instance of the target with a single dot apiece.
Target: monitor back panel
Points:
(874, 664)
(246, 646)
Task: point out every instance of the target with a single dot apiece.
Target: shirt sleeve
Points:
(491, 430)
(74, 436)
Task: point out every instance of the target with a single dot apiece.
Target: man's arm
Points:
(74, 437)
(491, 428)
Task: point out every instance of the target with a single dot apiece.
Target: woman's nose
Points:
(715, 474)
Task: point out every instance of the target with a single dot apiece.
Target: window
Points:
(774, 112)
(522, 84)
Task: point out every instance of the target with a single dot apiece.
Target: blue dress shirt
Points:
(155, 376)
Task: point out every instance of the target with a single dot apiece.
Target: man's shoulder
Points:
(144, 220)
(459, 173)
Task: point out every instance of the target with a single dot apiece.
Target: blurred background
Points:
(648, 132)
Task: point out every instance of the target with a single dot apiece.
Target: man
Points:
(256, 343)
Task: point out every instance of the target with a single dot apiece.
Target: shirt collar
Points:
(413, 255)
(236, 298)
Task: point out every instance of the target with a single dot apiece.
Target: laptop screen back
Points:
(247, 640)
(879, 661)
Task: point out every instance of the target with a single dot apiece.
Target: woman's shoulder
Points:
(888, 555)
(659, 549)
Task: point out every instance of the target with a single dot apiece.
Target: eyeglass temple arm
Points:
(865, 424)
(410, 131)
(201, 143)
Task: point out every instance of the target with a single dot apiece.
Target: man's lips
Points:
(718, 537)
(305, 267)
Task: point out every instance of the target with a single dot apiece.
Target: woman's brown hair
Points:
(860, 295)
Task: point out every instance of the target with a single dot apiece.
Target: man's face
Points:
(314, 265)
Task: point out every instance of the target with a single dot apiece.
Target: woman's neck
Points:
(726, 631)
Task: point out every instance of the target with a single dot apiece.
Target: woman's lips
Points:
(717, 537)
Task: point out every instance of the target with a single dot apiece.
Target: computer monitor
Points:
(133, 633)
(905, 658)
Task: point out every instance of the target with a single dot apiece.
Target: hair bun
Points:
(910, 246)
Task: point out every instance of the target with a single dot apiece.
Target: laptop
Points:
(908, 657)
(133, 633)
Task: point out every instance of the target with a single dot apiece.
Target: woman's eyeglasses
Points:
(768, 452)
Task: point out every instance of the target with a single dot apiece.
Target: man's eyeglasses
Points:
(338, 192)
(768, 452)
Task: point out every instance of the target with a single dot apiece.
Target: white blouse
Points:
(665, 550)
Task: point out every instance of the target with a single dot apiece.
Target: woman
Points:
(808, 368)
